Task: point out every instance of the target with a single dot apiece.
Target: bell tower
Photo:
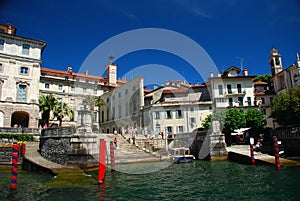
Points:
(275, 62)
(111, 72)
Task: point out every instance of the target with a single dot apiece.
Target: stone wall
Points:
(65, 146)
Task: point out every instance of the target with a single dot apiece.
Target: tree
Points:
(264, 78)
(286, 107)
(46, 105)
(99, 102)
(206, 123)
(220, 114)
(235, 119)
(255, 119)
(62, 110)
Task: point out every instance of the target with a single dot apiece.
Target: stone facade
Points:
(20, 60)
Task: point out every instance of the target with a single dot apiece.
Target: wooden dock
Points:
(242, 153)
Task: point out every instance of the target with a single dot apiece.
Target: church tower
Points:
(111, 72)
(275, 62)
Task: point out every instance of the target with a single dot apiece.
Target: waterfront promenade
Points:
(243, 151)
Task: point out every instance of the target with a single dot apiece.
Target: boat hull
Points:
(183, 159)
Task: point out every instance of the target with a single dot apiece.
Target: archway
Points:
(19, 119)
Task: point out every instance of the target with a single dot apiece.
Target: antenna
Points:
(241, 61)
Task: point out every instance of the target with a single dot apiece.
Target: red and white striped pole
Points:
(112, 156)
(252, 150)
(102, 162)
(14, 166)
(277, 158)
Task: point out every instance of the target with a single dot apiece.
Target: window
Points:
(220, 87)
(249, 101)
(113, 113)
(59, 87)
(96, 82)
(263, 100)
(22, 93)
(95, 91)
(46, 85)
(192, 109)
(157, 115)
(72, 88)
(119, 95)
(72, 101)
(126, 91)
(66, 78)
(120, 111)
(271, 99)
(95, 116)
(25, 49)
(178, 114)
(1, 67)
(133, 89)
(239, 88)
(1, 44)
(193, 120)
(264, 111)
(240, 101)
(107, 100)
(170, 130)
(77, 79)
(169, 114)
(24, 70)
(229, 90)
(230, 102)
(180, 129)
(43, 74)
(107, 115)
(87, 81)
(84, 90)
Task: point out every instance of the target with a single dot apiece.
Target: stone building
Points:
(20, 61)
(284, 79)
(122, 109)
(176, 107)
(73, 88)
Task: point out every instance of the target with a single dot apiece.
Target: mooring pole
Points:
(14, 166)
(252, 150)
(112, 156)
(102, 162)
(277, 158)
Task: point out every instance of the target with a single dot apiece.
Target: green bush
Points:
(19, 137)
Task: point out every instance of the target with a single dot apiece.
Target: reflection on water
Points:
(200, 180)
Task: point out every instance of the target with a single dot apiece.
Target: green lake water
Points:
(199, 180)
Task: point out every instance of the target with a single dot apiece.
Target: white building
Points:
(122, 109)
(176, 108)
(20, 60)
(230, 89)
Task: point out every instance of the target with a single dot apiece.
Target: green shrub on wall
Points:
(19, 137)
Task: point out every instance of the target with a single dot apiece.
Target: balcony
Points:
(235, 93)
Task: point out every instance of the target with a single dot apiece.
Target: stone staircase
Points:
(127, 152)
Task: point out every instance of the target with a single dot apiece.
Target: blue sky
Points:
(226, 30)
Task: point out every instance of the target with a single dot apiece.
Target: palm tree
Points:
(46, 105)
(62, 110)
(99, 102)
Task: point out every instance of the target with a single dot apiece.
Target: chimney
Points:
(70, 69)
(167, 83)
(219, 74)
(155, 86)
(245, 72)
(178, 83)
(173, 83)
(86, 72)
(211, 74)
